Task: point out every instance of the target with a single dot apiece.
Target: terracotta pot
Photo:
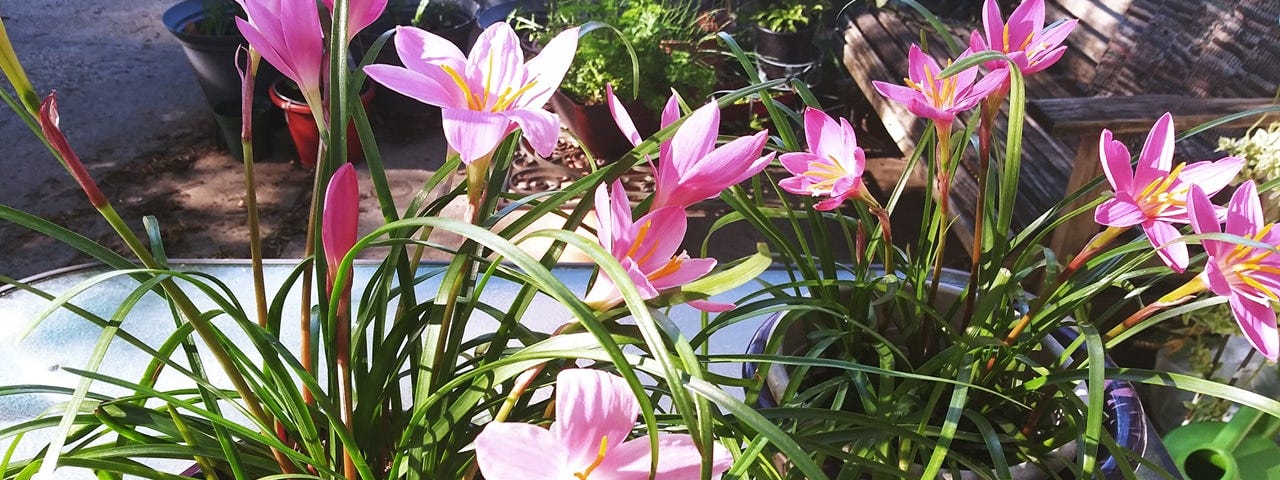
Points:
(302, 125)
(595, 129)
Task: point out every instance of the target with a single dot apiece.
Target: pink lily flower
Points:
(1249, 276)
(649, 250)
(690, 168)
(362, 14)
(340, 217)
(486, 95)
(1023, 38)
(288, 35)
(1154, 195)
(595, 413)
(940, 99)
(833, 165)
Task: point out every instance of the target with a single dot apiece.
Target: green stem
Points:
(250, 188)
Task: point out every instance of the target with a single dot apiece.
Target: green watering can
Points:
(1227, 451)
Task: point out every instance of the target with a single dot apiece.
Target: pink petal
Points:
(1244, 211)
(798, 185)
(341, 215)
(547, 70)
(1043, 60)
(416, 86)
(423, 52)
(711, 307)
(670, 111)
(1157, 152)
(1202, 215)
(519, 451)
(592, 407)
(1118, 212)
(989, 83)
(1212, 177)
(541, 128)
(1169, 246)
(815, 126)
(1026, 20)
(620, 212)
(678, 459)
(829, 204)
(897, 93)
(621, 117)
(712, 173)
(473, 134)
(496, 64)
(303, 39)
(1258, 323)
(1057, 34)
(918, 63)
(993, 24)
(690, 269)
(267, 49)
(695, 138)
(798, 162)
(659, 235)
(1115, 163)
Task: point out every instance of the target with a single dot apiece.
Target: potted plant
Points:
(784, 32)
(418, 371)
(651, 49)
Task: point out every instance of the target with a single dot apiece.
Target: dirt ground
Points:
(131, 108)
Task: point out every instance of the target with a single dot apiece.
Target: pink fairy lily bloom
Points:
(649, 250)
(340, 217)
(362, 14)
(1154, 195)
(1023, 38)
(690, 168)
(1248, 275)
(595, 413)
(486, 95)
(940, 99)
(833, 165)
(288, 35)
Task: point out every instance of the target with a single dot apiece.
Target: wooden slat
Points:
(865, 65)
(1072, 116)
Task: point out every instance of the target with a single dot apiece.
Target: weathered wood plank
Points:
(865, 65)
(1136, 113)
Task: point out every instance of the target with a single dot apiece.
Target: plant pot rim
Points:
(295, 105)
(177, 17)
(808, 29)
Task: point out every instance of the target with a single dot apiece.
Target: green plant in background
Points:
(1260, 149)
(219, 18)
(787, 16)
(664, 35)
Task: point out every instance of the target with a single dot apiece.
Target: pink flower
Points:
(833, 165)
(362, 14)
(1023, 38)
(1154, 196)
(486, 95)
(1249, 276)
(595, 413)
(340, 217)
(649, 249)
(940, 99)
(288, 35)
(690, 169)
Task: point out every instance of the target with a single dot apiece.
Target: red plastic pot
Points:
(302, 125)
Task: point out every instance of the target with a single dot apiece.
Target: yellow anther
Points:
(604, 446)
(462, 85)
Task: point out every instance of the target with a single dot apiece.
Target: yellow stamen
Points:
(604, 446)
(507, 98)
(672, 266)
(1005, 46)
(462, 85)
(635, 244)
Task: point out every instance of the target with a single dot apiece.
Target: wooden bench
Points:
(1067, 109)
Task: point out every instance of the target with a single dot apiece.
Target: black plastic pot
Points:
(212, 56)
(265, 119)
(785, 54)
(1125, 419)
(595, 128)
